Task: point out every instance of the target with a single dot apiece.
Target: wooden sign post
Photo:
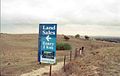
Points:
(50, 70)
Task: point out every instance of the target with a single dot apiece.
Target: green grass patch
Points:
(63, 46)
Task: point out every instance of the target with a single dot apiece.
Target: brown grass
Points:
(101, 62)
(18, 53)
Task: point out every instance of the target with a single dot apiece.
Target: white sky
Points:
(86, 17)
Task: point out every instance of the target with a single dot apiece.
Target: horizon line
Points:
(62, 34)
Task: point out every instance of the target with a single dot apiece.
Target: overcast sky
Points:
(85, 17)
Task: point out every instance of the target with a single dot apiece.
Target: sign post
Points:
(50, 70)
(47, 43)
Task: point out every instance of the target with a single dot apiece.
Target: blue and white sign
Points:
(47, 43)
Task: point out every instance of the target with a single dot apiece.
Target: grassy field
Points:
(18, 54)
(100, 62)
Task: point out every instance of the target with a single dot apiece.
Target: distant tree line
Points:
(86, 37)
(76, 36)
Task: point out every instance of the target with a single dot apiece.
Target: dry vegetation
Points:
(101, 62)
(18, 54)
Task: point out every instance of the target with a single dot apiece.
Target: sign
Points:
(47, 43)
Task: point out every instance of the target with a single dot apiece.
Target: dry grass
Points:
(18, 53)
(101, 62)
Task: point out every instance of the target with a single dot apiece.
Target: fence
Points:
(76, 53)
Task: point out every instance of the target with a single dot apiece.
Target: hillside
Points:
(18, 54)
(101, 62)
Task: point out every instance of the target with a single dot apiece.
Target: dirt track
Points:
(45, 70)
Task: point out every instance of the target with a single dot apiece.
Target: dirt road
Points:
(44, 70)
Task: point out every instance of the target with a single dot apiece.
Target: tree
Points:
(87, 37)
(66, 38)
(77, 36)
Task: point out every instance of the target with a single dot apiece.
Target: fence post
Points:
(64, 63)
(83, 50)
(70, 55)
(75, 53)
(50, 70)
(80, 51)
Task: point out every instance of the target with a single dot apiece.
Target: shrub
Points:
(66, 38)
(77, 36)
(87, 37)
(63, 46)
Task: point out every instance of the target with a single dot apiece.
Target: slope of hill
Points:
(100, 62)
(18, 52)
